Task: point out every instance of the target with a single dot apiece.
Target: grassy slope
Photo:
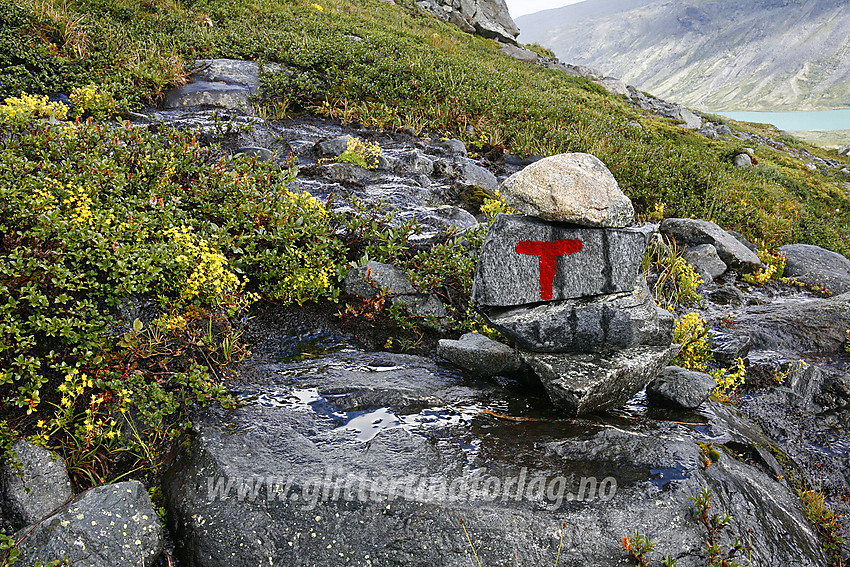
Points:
(413, 71)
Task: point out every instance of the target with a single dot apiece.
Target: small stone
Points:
(481, 355)
(724, 130)
(375, 278)
(727, 295)
(593, 324)
(704, 259)
(678, 388)
(575, 188)
(742, 161)
(335, 146)
(587, 383)
(587, 261)
(262, 154)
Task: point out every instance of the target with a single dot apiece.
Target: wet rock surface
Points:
(405, 447)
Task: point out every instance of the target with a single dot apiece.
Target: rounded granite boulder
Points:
(575, 188)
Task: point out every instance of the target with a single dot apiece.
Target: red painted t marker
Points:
(548, 253)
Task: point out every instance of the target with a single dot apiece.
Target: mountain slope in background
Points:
(710, 54)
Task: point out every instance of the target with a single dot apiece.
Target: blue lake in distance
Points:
(790, 121)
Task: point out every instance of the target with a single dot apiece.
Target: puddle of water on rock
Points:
(663, 477)
(366, 425)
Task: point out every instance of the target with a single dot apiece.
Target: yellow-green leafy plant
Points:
(92, 100)
(93, 218)
(728, 380)
(827, 522)
(673, 281)
(691, 332)
(775, 269)
(362, 153)
(495, 205)
(26, 107)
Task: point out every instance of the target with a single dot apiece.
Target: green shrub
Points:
(92, 217)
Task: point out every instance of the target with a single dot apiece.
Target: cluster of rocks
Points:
(113, 524)
(487, 18)
(562, 282)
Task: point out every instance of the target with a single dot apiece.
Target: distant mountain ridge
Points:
(710, 54)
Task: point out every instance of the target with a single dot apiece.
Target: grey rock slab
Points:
(743, 240)
(368, 281)
(595, 324)
(113, 524)
(390, 505)
(816, 265)
(413, 162)
(586, 383)
(202, 93)
(519, 53)
(844, 151)
(481, 355)
(692, 232)
(614, 86)
(455, 147)
(704, 259)
(575, 188)
(607, 261)
(678, 388)
(231, 71)
(690, 119)
(42, 485)
(455, 217)
(815, 325)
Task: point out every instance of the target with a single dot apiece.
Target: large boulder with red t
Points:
(525, 260)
